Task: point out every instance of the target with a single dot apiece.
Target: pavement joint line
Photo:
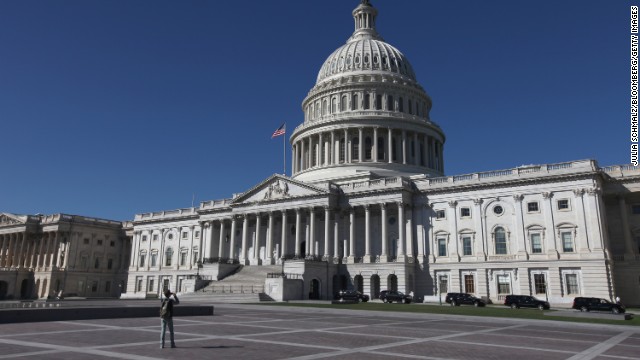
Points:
(409, 356)
(32, 353)
(76, 350)
(369, 335)
(550, 338)
(508, 346)
(400, 343)
(602, 347)
(49, 332)
(619, 357)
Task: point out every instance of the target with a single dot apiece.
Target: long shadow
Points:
(220, 347)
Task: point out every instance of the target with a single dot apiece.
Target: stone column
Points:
(347, 145)
(232, 244)
(409, 231)
(245, 230)
(360, 145)
(550, 233)
(67, 251)
(425, 150)
(352, 235)
(311, 246)
(327, 233)
(190, 249)
(336, 237)
(298, 225)
(626, 231)
(582, 236)
(521, 240)
(321, 150)
(401, 228)
(478, 238)
(404, 147)
(221, 247)
(452, 219)
(390, 148)
(283, 240)
(596, 239)
(367, 234)
(384, 257)
(2, 247)
(374, 156)
(293, 159)
(256, 246)
(269, 250)
(302, 156)
(416, 149)
(22, 249)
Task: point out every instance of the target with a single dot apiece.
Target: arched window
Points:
(394, 146)
(355, 148)
(334, 105)
(378, 102)
(367, 102)
(390, 103)
(501, 241)
(343, 103)
(421, 154)
(368, 146)
(341, 150)
(168, 257)
(380, 148)
(314, 153)
(354, 103)
(401, 104)
(410, 107)
(317, 110)
(324, 107)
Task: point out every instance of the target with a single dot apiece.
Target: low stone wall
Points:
(89, 313)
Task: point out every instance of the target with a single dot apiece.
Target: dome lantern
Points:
(364, 17)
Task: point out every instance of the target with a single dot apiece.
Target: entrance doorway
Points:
(25, 289)
(314, 290)
(375, 286)
(303, 249)
(4, 287)
(358, 283)
(392, 282)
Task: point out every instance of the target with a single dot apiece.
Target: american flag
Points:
(280, 131)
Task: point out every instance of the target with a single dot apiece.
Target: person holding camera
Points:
(166, 314)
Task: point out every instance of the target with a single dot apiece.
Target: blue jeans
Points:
(165, 323)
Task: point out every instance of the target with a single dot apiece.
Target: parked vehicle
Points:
(456, 299)
(352, 295)
(597, 304)
(518, 301)
(390, 296)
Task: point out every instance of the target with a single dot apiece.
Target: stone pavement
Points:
(271, 332)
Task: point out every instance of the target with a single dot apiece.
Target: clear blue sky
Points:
(112, 108)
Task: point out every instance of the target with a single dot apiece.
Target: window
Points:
(197, 234)
(355, 148)
(563, 204)
(81, 287)
(539, 284)
(504, 284)
(466, 246)
(501, 241)
(378, 102)
(440, 214)
(572, 284)
(567, 241)
(184, 234)
(498, 210)
(367, 101)
(390, 103)
(325, 107)
(183, 258)
(167, 257)
(536, 243)
(83, 261)
(109, 264)
(442, 247)
(635, 209)
(99, 242)
(533, 206)
(410, 107)
(96, 264)
(170, 236)
(142, 258)
(368, 146)
(400, 104)
(380, 148)
(469, 284)
(334, 105)
(155, 237)
(354, 102)
(343, 103)
(465, 212)
(107, 286)
(139, 284)
(195, 256)
(94, 286)
(443, 284)
(151, 285)
(112, 244)
(342, 150)
(154, 259)
(86, 241)
(144, 237)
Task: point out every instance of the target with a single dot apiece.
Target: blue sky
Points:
(112, 108)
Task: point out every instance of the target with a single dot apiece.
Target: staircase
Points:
(244, 286)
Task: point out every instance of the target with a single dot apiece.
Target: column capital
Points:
(594, 191)
(326, 208)
(547, 195)
(478, 201)
(367, 207)
(453, 204)
(518, 197)
(383, 206)
(578, 192)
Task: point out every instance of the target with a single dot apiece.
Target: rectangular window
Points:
(112, 244)
(184, 234)
(109, 264)
(197, 234)
(86, 241)
(195, 257)
(440, 214)
(504, 284)
(469, 284)
(465, 212)
(563, 204)
(540, 284)
(567, 241)
(80, 287)
(536, 243)
(533, 206)
(96, 263)
(442, 247)
(99, 242)
(183, 258)
(443, 284)
(466, 246)
(154, 259)
(94, 286)
(142, 258)
(151, 285)
(83, 262)
(572, 284)
(144, 237)
(139, 284)
(155, 237)
(107, 286)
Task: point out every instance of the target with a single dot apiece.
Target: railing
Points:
(220, 260)
(501, 257)
(284, 276)
(233, 289)
(167, 213)
(501, 298)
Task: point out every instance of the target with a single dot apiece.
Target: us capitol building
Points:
(367, 206)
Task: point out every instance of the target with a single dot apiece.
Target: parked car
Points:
(456, 299)
(518, 301)
(597, 304)
(390, 296)
(352, 295)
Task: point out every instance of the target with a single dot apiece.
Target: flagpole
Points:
(284, 150)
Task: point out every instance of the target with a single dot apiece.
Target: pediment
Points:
(10, 219)
(277, 188)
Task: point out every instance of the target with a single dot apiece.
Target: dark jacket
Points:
(169, 302)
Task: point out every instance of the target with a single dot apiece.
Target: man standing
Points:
(166, 314)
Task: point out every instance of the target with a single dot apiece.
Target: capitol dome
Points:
(366, 116)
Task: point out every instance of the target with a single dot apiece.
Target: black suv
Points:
(352, 295)
(456, 299)
(518, 301)
(597, 304)
(390, 296)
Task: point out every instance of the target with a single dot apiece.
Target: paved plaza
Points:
(269, 332)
